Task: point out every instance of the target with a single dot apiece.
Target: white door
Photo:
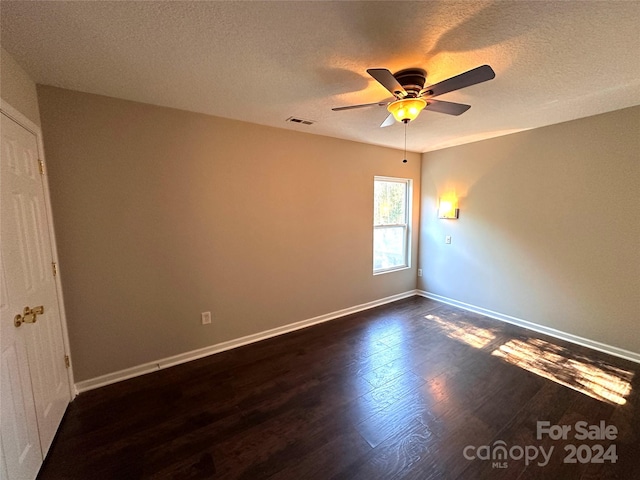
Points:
(35, 386)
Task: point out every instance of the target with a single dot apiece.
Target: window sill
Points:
(390, 270)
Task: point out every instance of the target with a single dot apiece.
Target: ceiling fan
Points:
(410, 96)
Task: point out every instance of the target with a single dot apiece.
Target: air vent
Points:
(300, 120)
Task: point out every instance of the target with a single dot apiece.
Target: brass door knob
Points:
(29, 315)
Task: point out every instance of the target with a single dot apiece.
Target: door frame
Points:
(23, 121)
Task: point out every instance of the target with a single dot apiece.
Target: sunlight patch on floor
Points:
(597, 379)
(465, 332)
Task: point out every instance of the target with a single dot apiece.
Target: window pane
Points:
(388, 247)
(389, 202)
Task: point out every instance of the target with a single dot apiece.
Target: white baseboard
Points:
(569, 337)
(138, 370)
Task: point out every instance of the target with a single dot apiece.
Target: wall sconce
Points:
(448, 207)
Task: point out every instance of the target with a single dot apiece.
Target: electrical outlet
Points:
(419, 272)
(447, 239)
(205, 317)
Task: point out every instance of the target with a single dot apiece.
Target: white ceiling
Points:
(263, 62)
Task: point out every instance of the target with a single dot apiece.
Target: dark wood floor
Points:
(398, 391)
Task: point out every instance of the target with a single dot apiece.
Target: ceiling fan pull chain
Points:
(405, 142)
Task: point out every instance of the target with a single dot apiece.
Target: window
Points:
(391, 224)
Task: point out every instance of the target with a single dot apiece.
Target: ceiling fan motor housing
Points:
(412, 80)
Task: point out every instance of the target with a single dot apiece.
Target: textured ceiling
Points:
(263, 62)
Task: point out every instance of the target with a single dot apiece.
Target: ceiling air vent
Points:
(300, 120)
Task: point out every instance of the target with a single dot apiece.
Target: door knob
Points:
(29, 315)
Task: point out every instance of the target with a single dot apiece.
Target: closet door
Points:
(35, 386)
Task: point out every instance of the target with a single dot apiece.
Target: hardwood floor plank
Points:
(393, 457)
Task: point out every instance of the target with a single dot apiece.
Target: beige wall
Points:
(17, 88)
(161, 214)
(549, 228)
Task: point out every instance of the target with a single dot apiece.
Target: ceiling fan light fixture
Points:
(406, 109)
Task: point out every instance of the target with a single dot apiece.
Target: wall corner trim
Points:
(149, 367)
(569, 337)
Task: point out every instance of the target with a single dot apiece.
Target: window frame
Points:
(408, 183)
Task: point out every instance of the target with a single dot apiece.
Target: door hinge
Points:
(41, 166)
(54, 266)
(67, 362)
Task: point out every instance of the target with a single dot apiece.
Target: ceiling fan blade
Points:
(450, 108)
(350, 107)
(388, 121)
(466, 79)
(388, 81)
